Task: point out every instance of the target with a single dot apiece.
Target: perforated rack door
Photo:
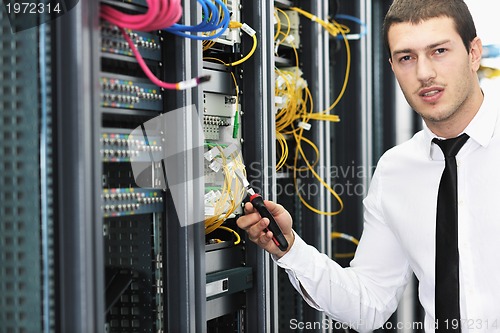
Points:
(25, 236)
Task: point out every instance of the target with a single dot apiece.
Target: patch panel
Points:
(121, 92)
(219, 111)
(118, 146)
(112, 42)
(212, 125)
(131, 201)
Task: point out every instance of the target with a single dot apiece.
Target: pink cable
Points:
(160, 14)
(144, 66)
(177, 86)
(135, 22)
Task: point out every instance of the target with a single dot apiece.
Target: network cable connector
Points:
(178, 166)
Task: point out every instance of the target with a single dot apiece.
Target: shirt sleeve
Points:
(364, 295)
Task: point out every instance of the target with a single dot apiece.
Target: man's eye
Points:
(405, 58)
(440, 50)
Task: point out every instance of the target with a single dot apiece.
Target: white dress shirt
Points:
(399, 236)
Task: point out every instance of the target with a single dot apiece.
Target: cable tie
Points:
(314, 18)
(289, 39)
(246, 28)
(304, 125)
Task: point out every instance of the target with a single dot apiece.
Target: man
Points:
(435, 55)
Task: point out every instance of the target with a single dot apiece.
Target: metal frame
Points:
(184, 247)
(259, 148)
(81, 287)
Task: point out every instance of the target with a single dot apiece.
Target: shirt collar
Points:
(480, 129)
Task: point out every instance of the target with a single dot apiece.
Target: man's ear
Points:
(476, 53)
(390, 61)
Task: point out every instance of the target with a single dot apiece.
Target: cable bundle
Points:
(295, 110)
(214, 18)
(232, 192)
(160, 14)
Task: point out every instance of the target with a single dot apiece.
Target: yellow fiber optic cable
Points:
(278, 24)
(287, 33)
(228, 196)
(333, 28)
(234, 24)
(238, 238)
(346, 237)
(299, 138)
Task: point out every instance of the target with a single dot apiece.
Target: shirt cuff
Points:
(298, 258)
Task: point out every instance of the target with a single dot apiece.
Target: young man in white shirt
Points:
(435, 55)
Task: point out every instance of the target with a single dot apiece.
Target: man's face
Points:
(434, 70)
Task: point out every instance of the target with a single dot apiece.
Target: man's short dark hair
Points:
(417, 11)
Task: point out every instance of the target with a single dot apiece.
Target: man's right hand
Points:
(254, 225)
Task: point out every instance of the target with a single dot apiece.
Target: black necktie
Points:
(447, 303)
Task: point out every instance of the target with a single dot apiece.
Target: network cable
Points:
(167, 85)
(347, 237)
(213, 20)
(236, 235)
(278, 28)
(334, 29)
(355, 20)
(295, 111)
(249, 31)
(160, 14)
(232, 193)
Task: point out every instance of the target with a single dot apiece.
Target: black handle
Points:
(278, 237)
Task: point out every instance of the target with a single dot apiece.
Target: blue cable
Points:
(353, 19)
(200, 26)
(207, 25)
